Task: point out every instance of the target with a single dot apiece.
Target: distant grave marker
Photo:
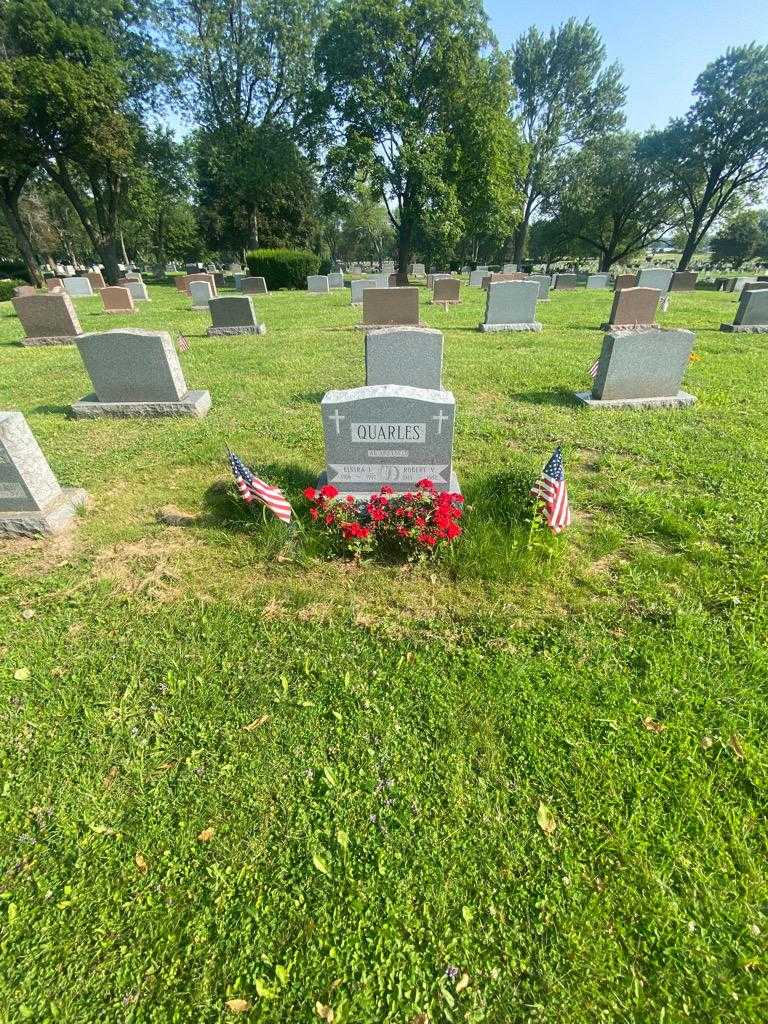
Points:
(234, 314)
(47, 319)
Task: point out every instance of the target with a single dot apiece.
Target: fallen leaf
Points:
(652, 725)
(735, 744)
(256, 723)
(273, 610)
(546, 819)
(110, 777)
(22, 674)
(321, 864)
(206, 835)
(324, 1012)
(28, 613)
(141, 863)
(707, 742)
(462, 983)
(238, 1005)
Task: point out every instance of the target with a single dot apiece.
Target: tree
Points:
(743, 237)
(717, 155)
(609, 198)
(365, 230)
(565, 97)
(402, 79)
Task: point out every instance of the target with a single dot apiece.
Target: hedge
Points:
(282, 268)
(6, 288)
(15, 268)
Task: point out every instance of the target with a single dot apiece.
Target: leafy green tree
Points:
(743, 237)
(609, 198)
(566, 95)
(717, 155)
(365, 231)
(402, 81)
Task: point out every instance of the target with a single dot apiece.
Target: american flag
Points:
(253, 489)
(552, 490)
(183, 344)
(592, 371)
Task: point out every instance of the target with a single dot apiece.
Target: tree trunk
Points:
(9, 206)
(403, 251)
(606, 262)
(104, 238)
(253, 228)
(521, 239)
(690, 243)
(126, 261)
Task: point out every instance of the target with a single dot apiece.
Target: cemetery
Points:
(383, 516)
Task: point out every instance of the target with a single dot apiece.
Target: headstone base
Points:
(678, 401)
(745, 328)
(119, 312)
(629, 327)
(383, 327)
(57, 517)
(493, 328)
(322, 480)
(55, 339)
(254, 329)
(194, 403)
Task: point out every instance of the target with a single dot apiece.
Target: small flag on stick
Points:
(592, 371)
(253, 489)
(183, 344)
(551, 489)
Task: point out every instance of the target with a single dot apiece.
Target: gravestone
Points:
(24, 289)
(201, 277)
(417, 269)
(47, 319)
(31, 500)
(509, 268)
(234, 314)
(640, 369)
(737, 284)
(379, 281)
(447, 289)
(335, 280)
(511, 306)
(544, 282)
(132, 275)
(358, 287)
(655, 277)
(218, 280)
(253, 286)
(411, 356)
(54, 284)
(598, 280)
(388, 434)
(181, 283)
(238, 279)
(386, 307)
(137, 289)
(235, 268)
(516, 275)
(318, 284)
(565, 282)
(632, 308)
(683, 281)
(96, 279)
(192, 268)
(136, 373)
(117, 300)
(752, 314)
(476, 278)
(78, 287)
(391, 280)
(625, 281)
(201, 294)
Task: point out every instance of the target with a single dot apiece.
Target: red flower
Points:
(453, 531)
(428, 539)
(328, 520)
(425, 484)
(387, 489)
(350, 500)
(377, 515)
(314, 513)
(421, 521)
(329, 491)
(310, 493)
(402, 532)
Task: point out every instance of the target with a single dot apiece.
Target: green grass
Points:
(380, 826)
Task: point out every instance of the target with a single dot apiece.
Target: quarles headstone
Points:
(253, 286)
(565, 282)
(47, 319)
(624, 281)
(31, 500)
(234, 314)
(388, 434)
(136, 373)
(447, 289)
(683, 281)
(641, 368)
(511, 306)
(96, 279)
(404, 355)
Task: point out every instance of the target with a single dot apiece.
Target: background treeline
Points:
(357, 129)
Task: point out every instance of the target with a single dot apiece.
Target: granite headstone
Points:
(632, 308)
(391, 306)
(117, 299)
(47, 319)
(404, 355)
(752, 313)
(234, 314)
(511, 306)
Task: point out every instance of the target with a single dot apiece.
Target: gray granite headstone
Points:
(545, 283)
(404, 355)
(137, 289)
(379, 281)
(201, 294)
(318, 284)
(253, 285)
(683, 281)
(78, 287)
(598, 280)
(31, 500)
(47, 319)
(641, 368)
(511, 306)
(655, 277)
(234, 314)
(357, 289)
(238, 279)
(565, 282)
(476, 277)
(136, 373)
(335, 280)
(752, 314)
(388, 434)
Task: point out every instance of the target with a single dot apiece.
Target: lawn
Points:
(235, 771)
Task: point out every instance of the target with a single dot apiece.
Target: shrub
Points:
(415, 525)
(6, 288)
(15, 268)
(282, 268)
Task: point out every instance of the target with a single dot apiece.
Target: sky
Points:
(662, 44)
